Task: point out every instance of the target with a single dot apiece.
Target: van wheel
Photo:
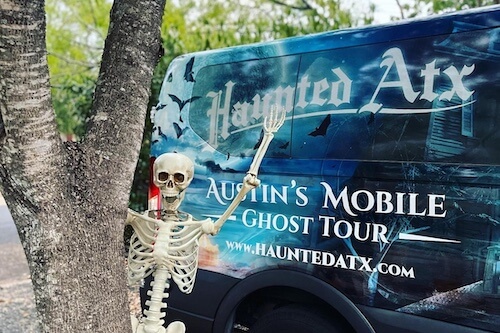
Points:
(295, 319)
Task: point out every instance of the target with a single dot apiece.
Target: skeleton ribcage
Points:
(170, 243)
(177, 248)
(140, 257)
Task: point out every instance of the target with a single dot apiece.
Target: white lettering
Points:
(428, 74)
(383, 202)
(223, 115)
(341, 90)
(456, 80)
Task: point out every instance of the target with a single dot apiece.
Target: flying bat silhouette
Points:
(188, 73)
(321, 130)
(178, 130)
(182, 103)
(160, 133)
(285, 145)
(160, 106)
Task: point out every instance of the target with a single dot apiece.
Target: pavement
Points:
(17, 304)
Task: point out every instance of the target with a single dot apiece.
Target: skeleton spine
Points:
(153, 322)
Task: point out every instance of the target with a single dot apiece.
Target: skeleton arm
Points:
(272, 124)
(249, 182)
(142, 224)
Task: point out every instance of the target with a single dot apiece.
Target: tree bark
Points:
(69, 201)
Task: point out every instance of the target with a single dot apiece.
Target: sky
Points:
(385, 9)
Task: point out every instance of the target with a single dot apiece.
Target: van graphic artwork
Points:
(383, 183)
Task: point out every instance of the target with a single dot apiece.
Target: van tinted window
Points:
(413, 100)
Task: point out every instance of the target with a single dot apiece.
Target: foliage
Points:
(76, 33)
(75, 39)
(429, 7)
(440, 6)
(197, 25)
(72, 100)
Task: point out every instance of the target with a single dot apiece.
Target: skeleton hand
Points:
(275, 120)
(272, 124)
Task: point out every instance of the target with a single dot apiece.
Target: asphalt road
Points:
(13, 265)
(17, 306)
(8, 233)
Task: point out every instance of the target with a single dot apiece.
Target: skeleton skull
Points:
(172, 173)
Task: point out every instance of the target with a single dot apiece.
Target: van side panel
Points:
(383, 182)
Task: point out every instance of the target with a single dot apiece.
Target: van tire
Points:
(295, 319)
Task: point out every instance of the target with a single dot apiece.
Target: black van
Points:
(379, 208)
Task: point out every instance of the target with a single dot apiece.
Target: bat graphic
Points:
(178, 130)
(160, 106)
(188, 73)
(285, 145)
(160, 133)
(182, 103)
(321, 130)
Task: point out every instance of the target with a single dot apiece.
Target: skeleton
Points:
(166, 243)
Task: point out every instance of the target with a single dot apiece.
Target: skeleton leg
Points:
(153, 322)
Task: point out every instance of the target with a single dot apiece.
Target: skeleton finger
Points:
(272, 124)
(275, 119)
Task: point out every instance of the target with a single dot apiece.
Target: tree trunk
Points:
(69, 201)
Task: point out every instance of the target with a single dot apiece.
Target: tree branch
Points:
(73, 61)
(306, 6)
(28, 122)
(115, 127)
(401, 9)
